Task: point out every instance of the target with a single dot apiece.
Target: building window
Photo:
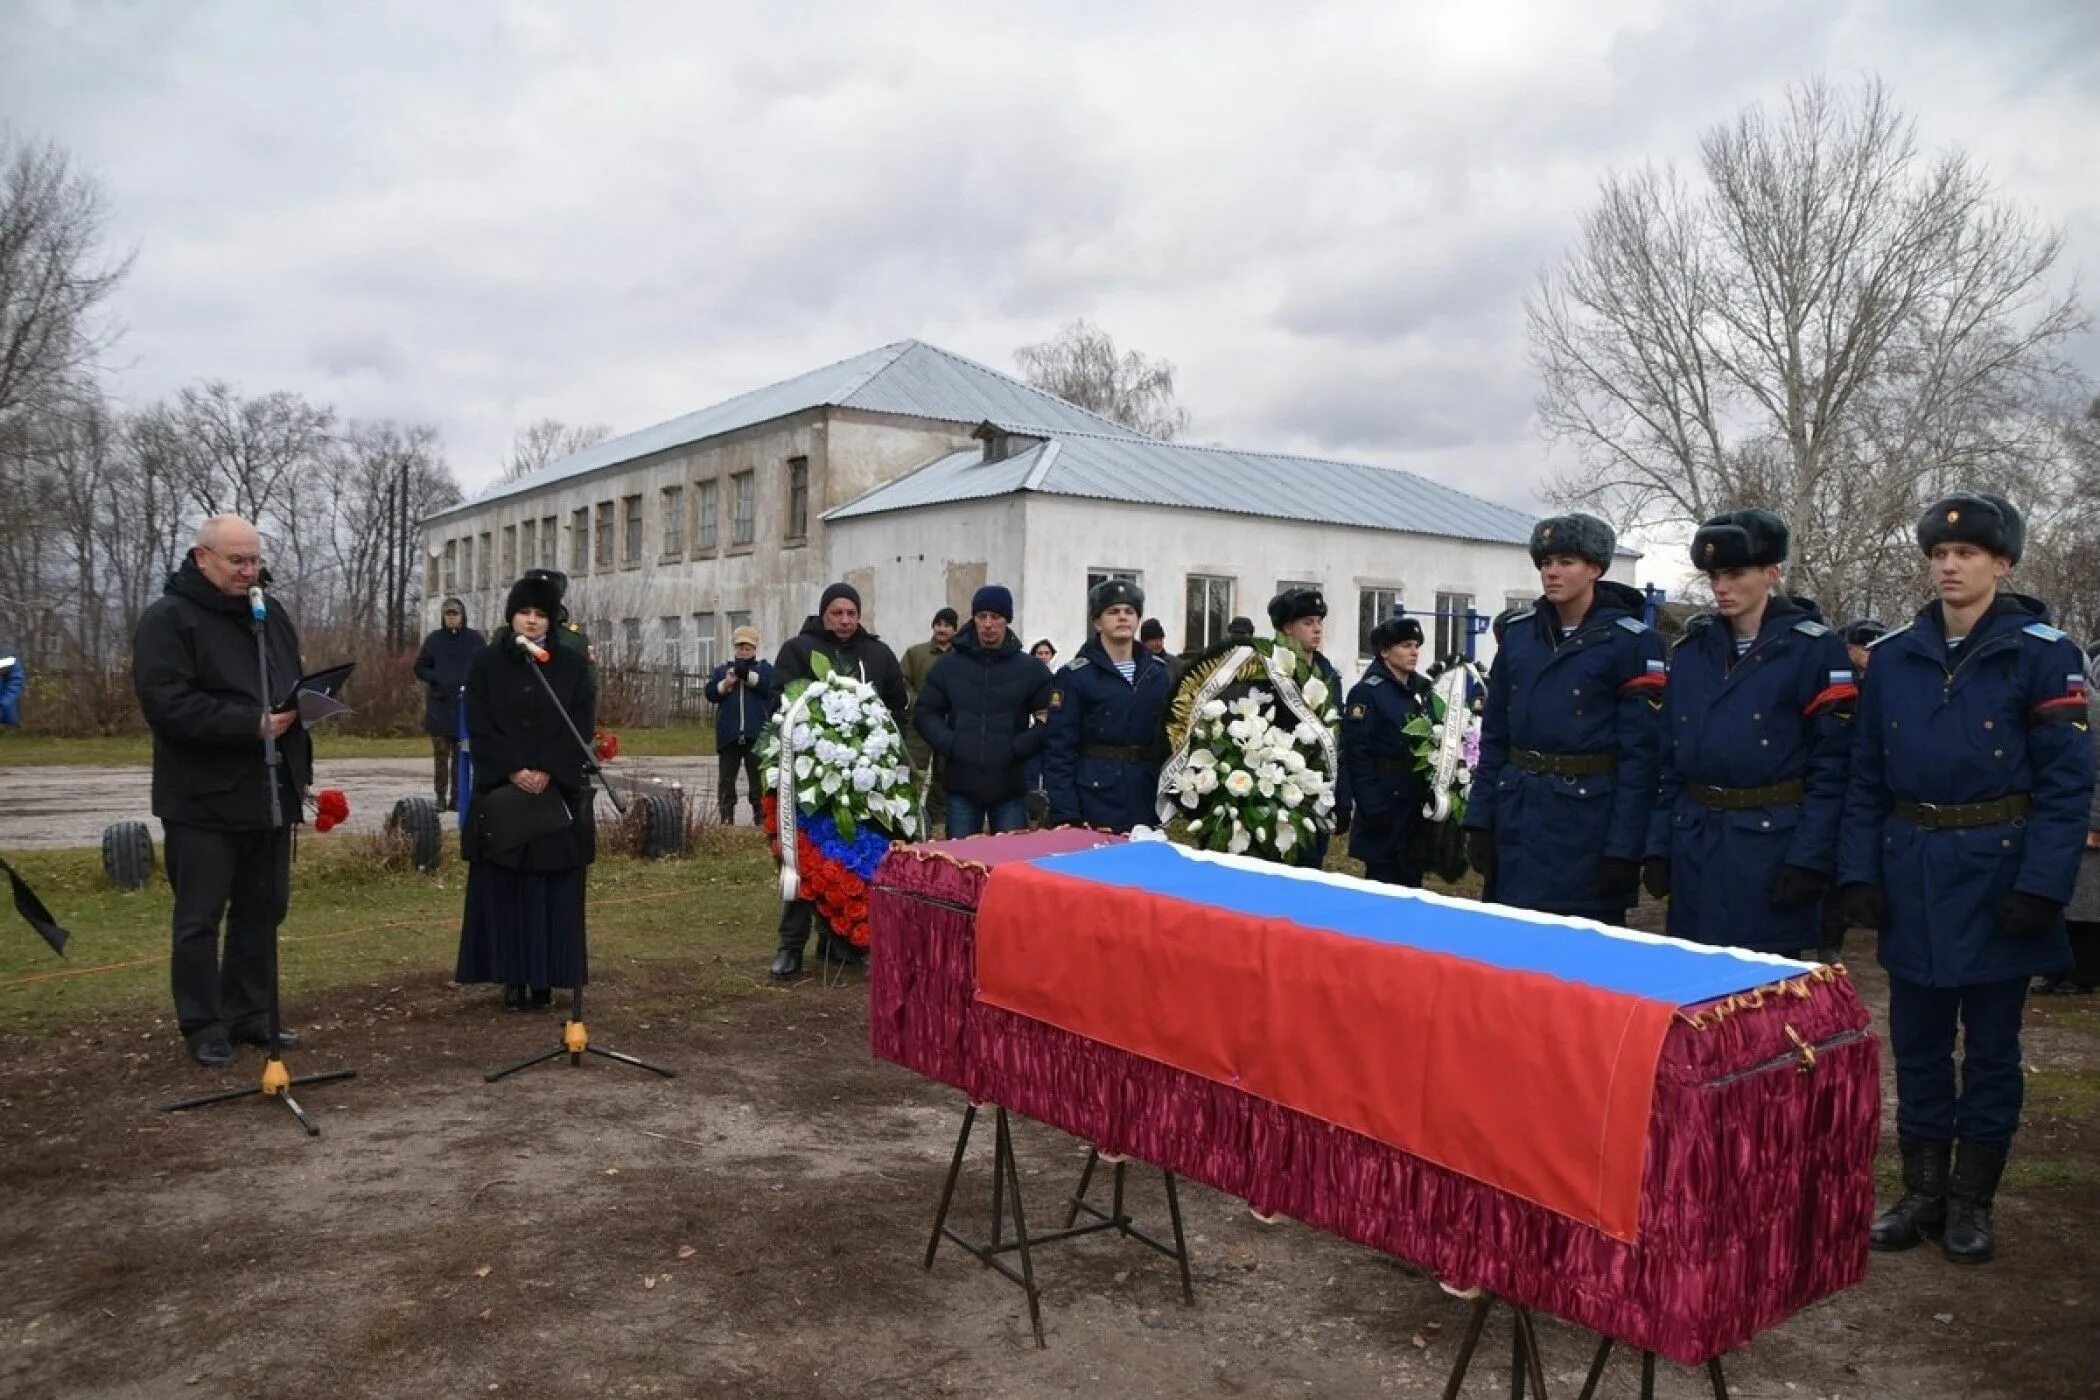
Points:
(529, 543)
(707, 516)
(1209, 609)
(430, 573)
(604, 554)
(510, 551)
(580, 540)
(798, 498)
(1454, 616)
(547, 545)
(1286, 585)
(704, 641)
(631, 529)
(452, 566)
(738, 619)
(484, 560)
(672, 630)
(743, 508)
(631, 640)
(1373, 606)
(674, 521)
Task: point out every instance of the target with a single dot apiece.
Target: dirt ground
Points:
(48, 808)
(755, 1228)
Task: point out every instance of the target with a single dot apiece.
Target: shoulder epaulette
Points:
(1519, 615)
(2044, 631)
(1633, 625)
(571, 627)
(1075, 663)
(1809, 627)
(1374, 680)
(1698, 622)
(1891, 635)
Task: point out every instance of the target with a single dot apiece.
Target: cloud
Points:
(481, 213)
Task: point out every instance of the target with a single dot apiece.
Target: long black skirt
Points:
(523, 927)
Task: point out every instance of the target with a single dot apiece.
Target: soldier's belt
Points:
(1953, 816)
(1120, 753)
(1565, 765)
(1720, 799)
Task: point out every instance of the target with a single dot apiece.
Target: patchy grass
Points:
(353, 920)
(2064, 1093)
(136, 750)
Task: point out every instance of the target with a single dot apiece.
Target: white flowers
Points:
(1239, 782)
(845, 757)
(1315, 692)
(1212, 709)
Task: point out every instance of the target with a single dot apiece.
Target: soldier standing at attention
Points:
(1108, 708)
(1378, 755)
(1755, 732)
(1972, 778)
(1557, 819)
(917, 662)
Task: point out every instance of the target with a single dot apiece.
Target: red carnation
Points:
(606, 745)
(331, 809)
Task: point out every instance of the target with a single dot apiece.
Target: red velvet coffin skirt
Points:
(1757, 1190)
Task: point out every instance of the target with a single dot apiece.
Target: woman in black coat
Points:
(528, 835)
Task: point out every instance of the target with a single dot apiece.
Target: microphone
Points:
(256, 609)
(530, 647)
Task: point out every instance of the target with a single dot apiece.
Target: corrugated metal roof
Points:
(910, 378)
(1141, 471)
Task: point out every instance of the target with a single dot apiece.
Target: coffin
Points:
(1471, 1124)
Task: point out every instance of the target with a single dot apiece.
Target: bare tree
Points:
(385, 477)
(1080, 364)
(1821, 320)
(54, 275)
(547, 441)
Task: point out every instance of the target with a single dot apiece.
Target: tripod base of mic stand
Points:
(575, 1043)
(277, 1083)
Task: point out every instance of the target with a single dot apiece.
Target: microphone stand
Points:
(277, 1082)
(575, 1038)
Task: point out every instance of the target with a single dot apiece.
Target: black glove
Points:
(1862, 906)
(1480, 852)
(2023, 915)
(1618, 878)
(1655, 876)
(1344, 817)
(1795, 885)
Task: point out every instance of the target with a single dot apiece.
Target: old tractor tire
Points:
(127, 854)
(662, 826)
(415, 819)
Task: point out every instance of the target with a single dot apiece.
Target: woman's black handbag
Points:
(508, 817)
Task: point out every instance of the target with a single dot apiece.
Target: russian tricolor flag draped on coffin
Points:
(1545, 1071)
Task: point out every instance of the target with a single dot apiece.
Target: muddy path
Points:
(755, 1227)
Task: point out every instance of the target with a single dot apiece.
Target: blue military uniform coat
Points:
(1092, 706)
(1378, 760)
(1595, 692)
(1781, 711)
(2002, 713)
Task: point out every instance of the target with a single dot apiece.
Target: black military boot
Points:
(1969, 1195)
(1922, 1209)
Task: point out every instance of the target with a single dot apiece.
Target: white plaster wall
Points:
(923, 560)
(776, 580)
(1067, 537)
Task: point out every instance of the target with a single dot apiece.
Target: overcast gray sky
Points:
(1325, 214)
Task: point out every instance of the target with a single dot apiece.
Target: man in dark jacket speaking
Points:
(194, 666)
(442, 667)
(975, 713)
(852, 650)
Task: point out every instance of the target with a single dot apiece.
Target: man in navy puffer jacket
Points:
(975, 714)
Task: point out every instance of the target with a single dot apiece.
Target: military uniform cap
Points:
(1584, 536)
(1740, 539)
(1393, 631)
(1293, 604)
(1111, 591)
(1981, 518)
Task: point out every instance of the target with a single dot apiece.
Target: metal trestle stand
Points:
(1006, 1186)
(1526, 1364)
